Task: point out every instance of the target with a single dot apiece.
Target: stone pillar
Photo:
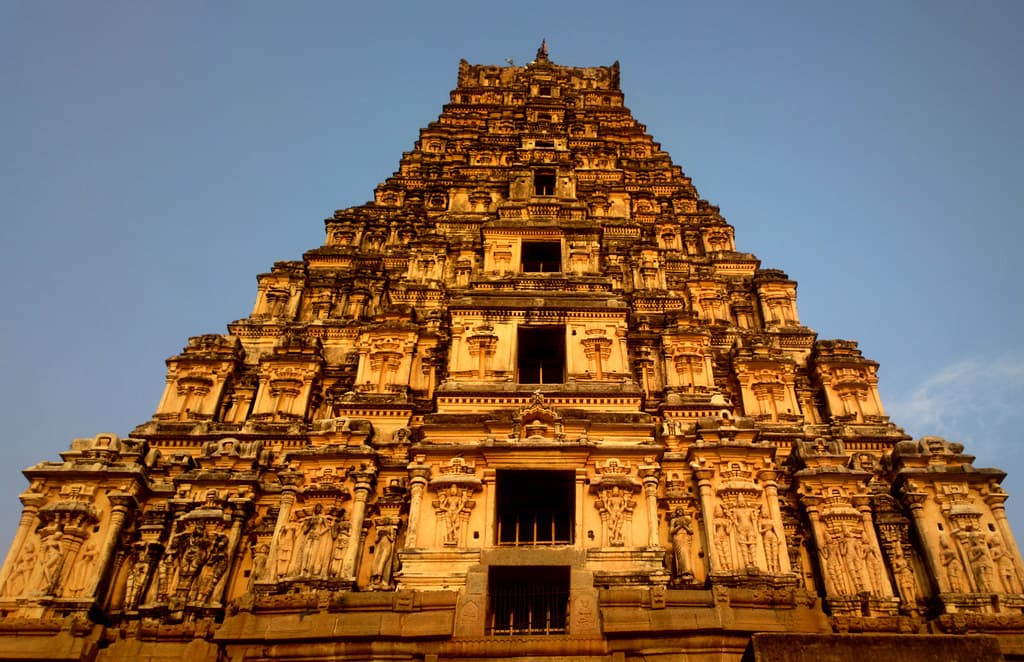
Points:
(818, 531)
(649, 473)
(31, 501)
(915, 500)
(490, 507)
(578, 537)
(290, 481)
(364, 483)
(242, 507)
(771, 492)
(120, 503)
(419, 474)
(864, 506)
(707, 510)
(996, 503)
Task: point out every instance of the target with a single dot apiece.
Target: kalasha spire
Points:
(542, 52)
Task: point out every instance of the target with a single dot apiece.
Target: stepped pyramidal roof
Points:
(530, 400)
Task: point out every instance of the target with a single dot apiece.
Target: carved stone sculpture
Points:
(681, 531)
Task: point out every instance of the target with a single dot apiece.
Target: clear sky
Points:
(154, 157)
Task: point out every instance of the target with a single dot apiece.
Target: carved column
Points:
(820, 538)
(242, 507)
(120, 503)
(863, 504)
(364, 483)
(996, 503)
(649, 474)
(771, 493)
(490, 507)
(31, 501)
(707, 508)
(419, 474)
(290, 481)
(915, 500)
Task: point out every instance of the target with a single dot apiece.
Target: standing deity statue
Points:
(451, 502)
(286, 552)
(340, 532)
(979, 560)
(872, 564)
(82, 571)
(216, 566)
(24, 568)
(615, 506)
(770, 540)
(954, 567)
(833, 562)
(849, 554)
(260, 561)
(1004, 565)
(315, 551)
(383, 555)
(904, 579)
(722, 539)
(744, 518)
(51, 564)
(136, 580)
(681, 532)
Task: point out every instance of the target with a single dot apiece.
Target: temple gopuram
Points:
(530, 402)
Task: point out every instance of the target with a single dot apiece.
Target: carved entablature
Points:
(767, 379)
(279, 292)
(385, 361)
(196, 378)
(688, 360)
(849, 381)
(959, 515)
(287, 379)
(777, 296)
(718, 239)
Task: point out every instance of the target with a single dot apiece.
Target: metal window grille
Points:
(535, 527)
(528, 609)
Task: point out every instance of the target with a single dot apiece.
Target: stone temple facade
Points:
(530, 401)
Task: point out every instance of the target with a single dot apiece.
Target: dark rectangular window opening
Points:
(543, 256)
(541, 355)
(544, 182)
(535, 507)
(528, 600)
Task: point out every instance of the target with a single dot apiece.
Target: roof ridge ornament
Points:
(542, 52)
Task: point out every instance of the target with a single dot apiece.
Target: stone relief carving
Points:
(681, 532)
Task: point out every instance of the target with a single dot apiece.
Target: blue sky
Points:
(154, 157)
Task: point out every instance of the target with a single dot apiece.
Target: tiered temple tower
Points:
(529, 401)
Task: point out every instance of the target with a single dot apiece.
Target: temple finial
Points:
(542, 52)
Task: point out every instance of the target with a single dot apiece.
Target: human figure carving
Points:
(380, 573)
(451, 502)
(954, 567)
(24, 568)
(52, 563)
(315, 549)
(260, 559)
(872, 564)
(216, 566)
(743, 517)
(82, 571)
(1004, 565)
(136, 579)
(722, 538)
(979, 560)
(681, 530)
(904, 579)
(285, 552)
(340, 533)
(833, 563)
(615, 506)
